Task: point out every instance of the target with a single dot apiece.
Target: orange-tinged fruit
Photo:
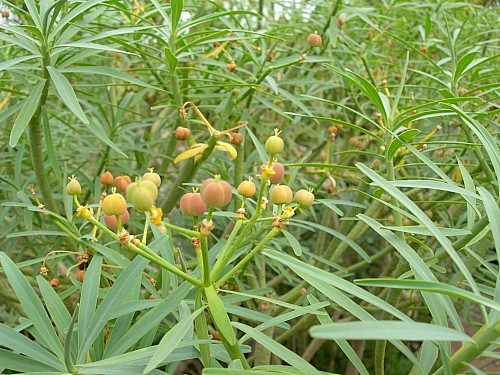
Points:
(54, 283)
(314, 40)
(80, 276)
(231, 66)
(73, 187)
(191, 204)
(182, 133)
(107, 178)
(215, 193)
(304, 198)
(247, 189)
(281, 194)
(121, 182)
(114, 204)
(236, 139)
(110, 220)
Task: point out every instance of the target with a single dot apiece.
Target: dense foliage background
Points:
(392, 122)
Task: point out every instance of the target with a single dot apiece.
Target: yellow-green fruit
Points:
(73, 187)
(281, 194)
(153, 177)
(247, 189)
(114, 204)
(304, 198)
(274, 145)
(142, 194)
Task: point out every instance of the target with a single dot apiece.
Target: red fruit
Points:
(182, 133)
(215, 192)
(110, 221)
(314, 40)
(114, 204)
(80, 276)
(281, 194)
(107, 178)
(192, 205)
(279, 174)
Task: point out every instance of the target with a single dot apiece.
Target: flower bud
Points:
(192, 205)
(314, 40)
(107, 178)
(279, 172)
(73, 187)
(182, 133)
(215, 192)
(114, 204)
(247, 189)
(274, 145)
(153, 177)
(281, 194)
(110, 220)
(304, 198)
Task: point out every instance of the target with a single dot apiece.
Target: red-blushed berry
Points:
(107, 178)
(182, 133)
(215, 192)
(80, 276)
(191, 204)
(121, 182)
(110, 220)
(54, 283)
(279, 172)
(314, 40)
(247, 189)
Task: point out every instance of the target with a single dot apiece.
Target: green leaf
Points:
(279, 350)
(176, 6)
(26, 113)
(101, 135)
(17, 362)
(57, 310)
(74, 13)
(31, 305)
(13, 62)
(68, 360)
(414, 229)
(171, 339)
(387, 330)
(462, 64)
(294, 243)
(171, 60)
(396, 143)
(66, 93)
(219, 314)
(258, 145)
(431, 287)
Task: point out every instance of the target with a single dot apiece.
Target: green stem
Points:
(247, 258)
(222, 259)
(187, 232)
(471, 350)
(205, 269)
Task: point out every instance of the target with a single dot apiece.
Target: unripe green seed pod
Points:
(114, 204)
(279, 174)
(153, 177)
(304, 198)
(191, 204)
(142, 194)
(73, 187)
(274, 145)
(247, 189)
(215, 193)
(281, 194)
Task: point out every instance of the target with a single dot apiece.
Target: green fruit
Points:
(304, 198)
(153, 177)
(281, 194)
(114, 204)
(274, 145)
(215, 193)
(142, 194)
(73, 187)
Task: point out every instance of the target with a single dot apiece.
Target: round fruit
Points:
(314, 40)
(182, 133)
(153, 177)
(73, 187)
(247, 189)
(215, 192)
(281, 194)
(236, 139)
(304, 198)
(274, 145)
(192, 205)
(107, 178)
(279, 174)
(54, 283)
(114, 204)
(80, 276)
(142, 194)
(110, 220)
(121, 182)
